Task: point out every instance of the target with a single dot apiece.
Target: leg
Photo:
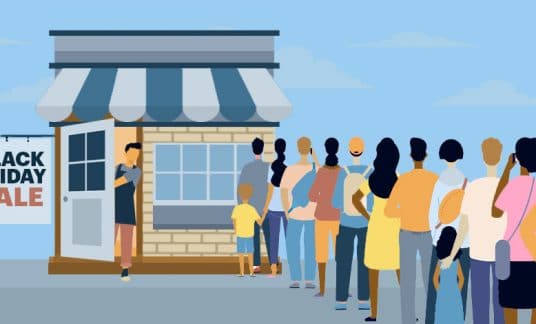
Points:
(322, 251)
(533, 317)
(397, 272)
(267, 237)
(480, 291)
(116, 230)
(257, 245)
(408, 276)
(309, 251)
(294, 230)
(250, 263)
(498, 311)
(126, 245)
(363, 292)
(241, 263)
(426, 249)
(275, 227)
(322, 278)
(510, 316)
(343, 258)
(374, 276)
(431, 296)
(465, 261)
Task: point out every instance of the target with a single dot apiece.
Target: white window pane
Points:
(167, 158)
(195, 187)
(222, 158)
(195, 158)
(222, 187)
(244, 155)
(168, 187)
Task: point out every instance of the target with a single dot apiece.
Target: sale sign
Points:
(25, 184)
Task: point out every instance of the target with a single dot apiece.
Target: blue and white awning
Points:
(165, 95)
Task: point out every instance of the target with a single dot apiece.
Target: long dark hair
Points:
(383, 178)
(332, 147)
(279, 166)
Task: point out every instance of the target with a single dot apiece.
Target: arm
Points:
(528, 232)
(338, 201)
(315, 158)
(393, 208)
(356, 201)
(461, 278)
(463, 228)
(120, 181)
(496, 212)
(269, 194)
(436, 277)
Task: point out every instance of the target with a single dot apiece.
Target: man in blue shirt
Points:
(351, 226)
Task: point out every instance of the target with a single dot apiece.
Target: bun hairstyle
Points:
(446, 242)
(383, 178)
(278, 166)
(332, 148)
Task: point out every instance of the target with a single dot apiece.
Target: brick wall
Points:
(192, 242)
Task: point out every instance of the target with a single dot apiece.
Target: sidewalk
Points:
(178, 299)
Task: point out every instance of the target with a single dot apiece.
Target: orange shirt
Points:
(410, 200)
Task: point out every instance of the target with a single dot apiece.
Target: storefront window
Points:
(198, 174)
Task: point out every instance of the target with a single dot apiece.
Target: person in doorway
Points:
(300, 212)
(127, 176)
(256, 173)
(382, 244)
(273, 209)
(350, 228)
(451, 151)
(244, 218)
(327, 217)
(412, 210)
(484, 233)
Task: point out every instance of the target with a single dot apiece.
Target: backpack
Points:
(352, 182)
(451, 205)
(300, 192)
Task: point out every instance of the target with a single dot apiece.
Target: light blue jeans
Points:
(294, 231)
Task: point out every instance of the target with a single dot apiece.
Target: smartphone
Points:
(311, 151)
(514, 159)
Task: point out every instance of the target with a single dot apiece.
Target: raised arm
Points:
(463, 228)
(358, 204)
(496, 212)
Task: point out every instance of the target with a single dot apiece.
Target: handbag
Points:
(502, 248)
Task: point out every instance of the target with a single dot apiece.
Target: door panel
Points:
(87, 188)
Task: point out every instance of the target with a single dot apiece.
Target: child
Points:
(244, 217)
(449, 308)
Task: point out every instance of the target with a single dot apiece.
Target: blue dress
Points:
(449, 309)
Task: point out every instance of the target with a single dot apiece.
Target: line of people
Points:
(452, 224)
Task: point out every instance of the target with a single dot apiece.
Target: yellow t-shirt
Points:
(245, 217)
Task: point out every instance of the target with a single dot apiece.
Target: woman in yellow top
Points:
(382, 251)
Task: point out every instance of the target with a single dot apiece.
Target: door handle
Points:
(65, 199)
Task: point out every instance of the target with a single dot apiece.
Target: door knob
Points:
(65, 199)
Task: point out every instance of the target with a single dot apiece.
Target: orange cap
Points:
(357, 145)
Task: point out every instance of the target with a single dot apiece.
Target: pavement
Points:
(29, 295)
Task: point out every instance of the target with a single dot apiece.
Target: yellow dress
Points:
(382, 247)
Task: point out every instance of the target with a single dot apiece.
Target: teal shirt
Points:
(338, 199)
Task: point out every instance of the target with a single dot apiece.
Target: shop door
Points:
(87, 190)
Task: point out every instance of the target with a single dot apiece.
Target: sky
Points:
(460, 69)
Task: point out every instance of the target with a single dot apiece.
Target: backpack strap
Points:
(524, 212)
(367, 170)
(346, 170)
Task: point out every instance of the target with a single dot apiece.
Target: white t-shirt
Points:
(484, 229)
(275, 203)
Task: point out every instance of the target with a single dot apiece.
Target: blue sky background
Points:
(460, 70)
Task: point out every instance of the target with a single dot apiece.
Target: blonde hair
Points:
(245, 191)
(304, 145)
(491, 151)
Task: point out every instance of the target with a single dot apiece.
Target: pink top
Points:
(512, 201)
(322, 193)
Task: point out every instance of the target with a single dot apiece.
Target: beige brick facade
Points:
(192, 242)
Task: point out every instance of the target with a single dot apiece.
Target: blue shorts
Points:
(244, 245)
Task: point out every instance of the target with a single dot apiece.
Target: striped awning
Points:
(165, 95)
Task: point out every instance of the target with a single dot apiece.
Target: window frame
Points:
(208, 172)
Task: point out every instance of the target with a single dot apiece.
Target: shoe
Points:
(341, 306)
(370, 319)
(252, 275)
(294, 285)
(310, 285)
(319, 294)
(124, 276)
(240, 275)
(363, 306)
(256, 269)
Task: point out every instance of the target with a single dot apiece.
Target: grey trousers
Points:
(410, 244)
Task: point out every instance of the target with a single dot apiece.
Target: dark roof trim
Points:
(251, 65)
(179, 124)
(164, 32)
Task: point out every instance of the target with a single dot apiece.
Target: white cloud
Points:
(301, 70)
(489, 93)
(6, 42)
(29, 93)
(413, 40)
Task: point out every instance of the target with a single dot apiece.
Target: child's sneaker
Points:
(124, 276)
